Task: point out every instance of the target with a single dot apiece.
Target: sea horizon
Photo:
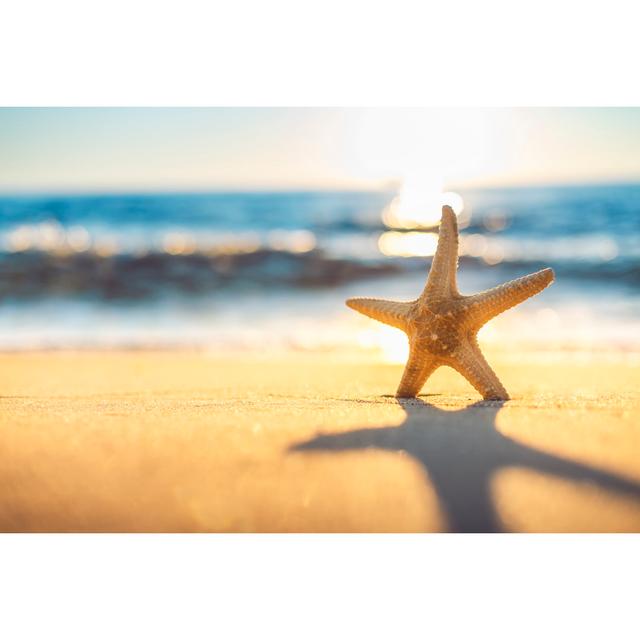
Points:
(231, 189)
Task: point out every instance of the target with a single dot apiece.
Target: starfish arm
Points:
(489, 304)
(469, 362)
(442, 276)
(418, 368)
(387, 311)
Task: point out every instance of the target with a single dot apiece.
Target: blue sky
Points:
(247, 148)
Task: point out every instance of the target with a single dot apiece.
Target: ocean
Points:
(270, 271)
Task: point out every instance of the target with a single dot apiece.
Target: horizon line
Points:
(256, 189)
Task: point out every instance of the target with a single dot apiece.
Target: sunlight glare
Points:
(408, 244)
(392, 344)
(419, 204)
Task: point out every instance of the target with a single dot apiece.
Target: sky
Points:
(177, 149)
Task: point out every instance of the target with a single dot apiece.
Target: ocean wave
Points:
(30, 274)
(140, 276)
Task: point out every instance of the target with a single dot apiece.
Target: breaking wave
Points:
(141, 276)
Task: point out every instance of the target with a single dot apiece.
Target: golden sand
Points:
(192, 442)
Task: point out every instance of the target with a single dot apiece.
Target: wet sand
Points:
(179, 441)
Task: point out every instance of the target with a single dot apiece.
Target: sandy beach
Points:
(194, 442)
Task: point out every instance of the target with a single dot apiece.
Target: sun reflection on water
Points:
(412, 243)
(417, 208)
(419, 204)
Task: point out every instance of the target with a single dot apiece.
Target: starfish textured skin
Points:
(442, 324)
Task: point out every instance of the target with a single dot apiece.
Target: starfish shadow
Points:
(461, 451)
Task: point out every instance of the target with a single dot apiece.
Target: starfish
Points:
(442, 324)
